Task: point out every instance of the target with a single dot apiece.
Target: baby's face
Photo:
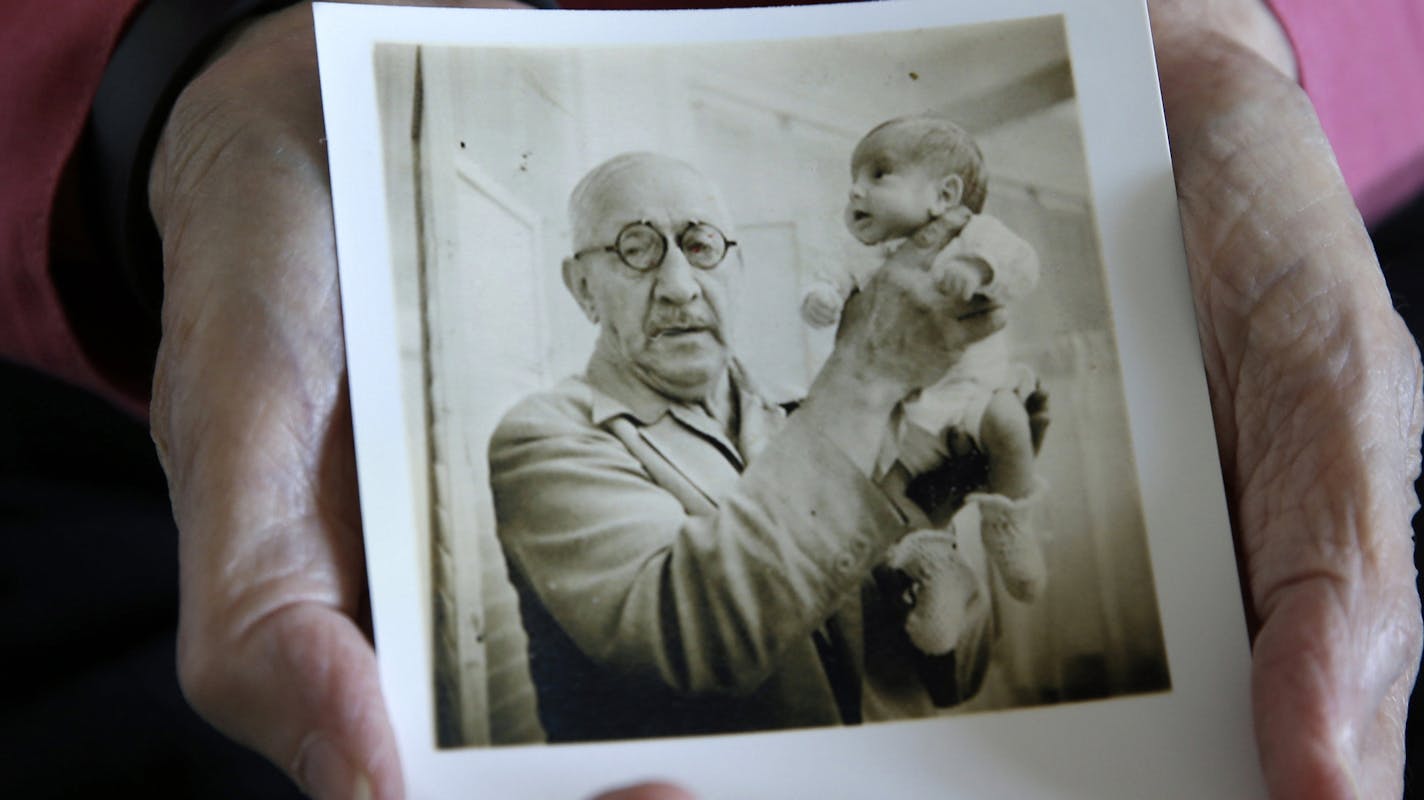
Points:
(889, 199)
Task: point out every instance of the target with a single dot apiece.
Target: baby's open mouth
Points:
(859, 216)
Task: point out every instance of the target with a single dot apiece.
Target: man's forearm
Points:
(851, 410)
(708, 600)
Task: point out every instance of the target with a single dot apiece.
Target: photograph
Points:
(623, 274)
(781, 400)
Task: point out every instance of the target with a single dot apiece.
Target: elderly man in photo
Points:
(691, 558)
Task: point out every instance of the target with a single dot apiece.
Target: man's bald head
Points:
(633, 181)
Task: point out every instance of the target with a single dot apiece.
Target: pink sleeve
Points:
(1362, 63)
(52, 53)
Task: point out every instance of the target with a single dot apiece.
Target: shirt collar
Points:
(618, 392)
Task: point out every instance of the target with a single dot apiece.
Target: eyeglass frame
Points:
(728, 244)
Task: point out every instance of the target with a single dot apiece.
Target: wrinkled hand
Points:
(902, 330)
(251, 419)
(1315, 389)
(897, 335)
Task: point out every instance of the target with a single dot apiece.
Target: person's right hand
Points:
(897, 335)
(902, 331)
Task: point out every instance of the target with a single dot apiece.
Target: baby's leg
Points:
(1006, 505)
(1007, 443)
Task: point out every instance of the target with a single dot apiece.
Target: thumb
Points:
(648, 791)
(919, 250)
(934, 235)
(976, 320)
(298, 685)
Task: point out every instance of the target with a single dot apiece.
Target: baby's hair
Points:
(938, 144)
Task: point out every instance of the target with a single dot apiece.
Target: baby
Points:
(924, 177)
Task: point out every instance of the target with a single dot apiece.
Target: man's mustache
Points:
(682, 319)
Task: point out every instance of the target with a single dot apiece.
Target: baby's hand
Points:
(821, 307)
(961, 278)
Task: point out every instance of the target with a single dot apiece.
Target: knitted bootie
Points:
(1010, 543)
(941, 594)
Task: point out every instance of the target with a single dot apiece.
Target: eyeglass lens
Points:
(642, 246)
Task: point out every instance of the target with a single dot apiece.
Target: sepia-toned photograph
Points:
(760, 385)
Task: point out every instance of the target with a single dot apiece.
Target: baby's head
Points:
(911, 170)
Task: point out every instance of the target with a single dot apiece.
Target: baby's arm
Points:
(991, 259)
(821, 304)
(963, 276)
(830, 283)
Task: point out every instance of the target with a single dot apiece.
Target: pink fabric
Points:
(1362, 63)
(52, 55)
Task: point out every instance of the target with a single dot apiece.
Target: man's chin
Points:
(686, 376)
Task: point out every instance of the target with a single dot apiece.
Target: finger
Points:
(299, 686)
(649, 791)
(976, 325)
(960, 444)
(1037, 400)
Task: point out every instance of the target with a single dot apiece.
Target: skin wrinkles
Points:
(1302, 345)
(1328, 529)
(284, 665)
(252, 422)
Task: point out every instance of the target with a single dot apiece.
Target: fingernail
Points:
(325, 774)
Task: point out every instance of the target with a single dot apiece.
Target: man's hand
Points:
(899, 334)
(1315, 388)
(903, 330)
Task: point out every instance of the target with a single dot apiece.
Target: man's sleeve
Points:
(53, 54)
(1362, 63)
(704, 602)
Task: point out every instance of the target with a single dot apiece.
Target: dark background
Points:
(89, 700)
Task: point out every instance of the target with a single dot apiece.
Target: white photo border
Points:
(1193, 741)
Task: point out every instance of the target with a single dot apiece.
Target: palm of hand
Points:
(1315, 392)
(251, 418)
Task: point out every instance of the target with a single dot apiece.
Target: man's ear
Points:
(576, 279)
(951, 194)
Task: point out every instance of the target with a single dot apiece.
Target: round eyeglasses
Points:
(642, 246)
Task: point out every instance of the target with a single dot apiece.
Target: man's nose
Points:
(677, 279)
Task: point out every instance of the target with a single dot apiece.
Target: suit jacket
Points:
(674, 581)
